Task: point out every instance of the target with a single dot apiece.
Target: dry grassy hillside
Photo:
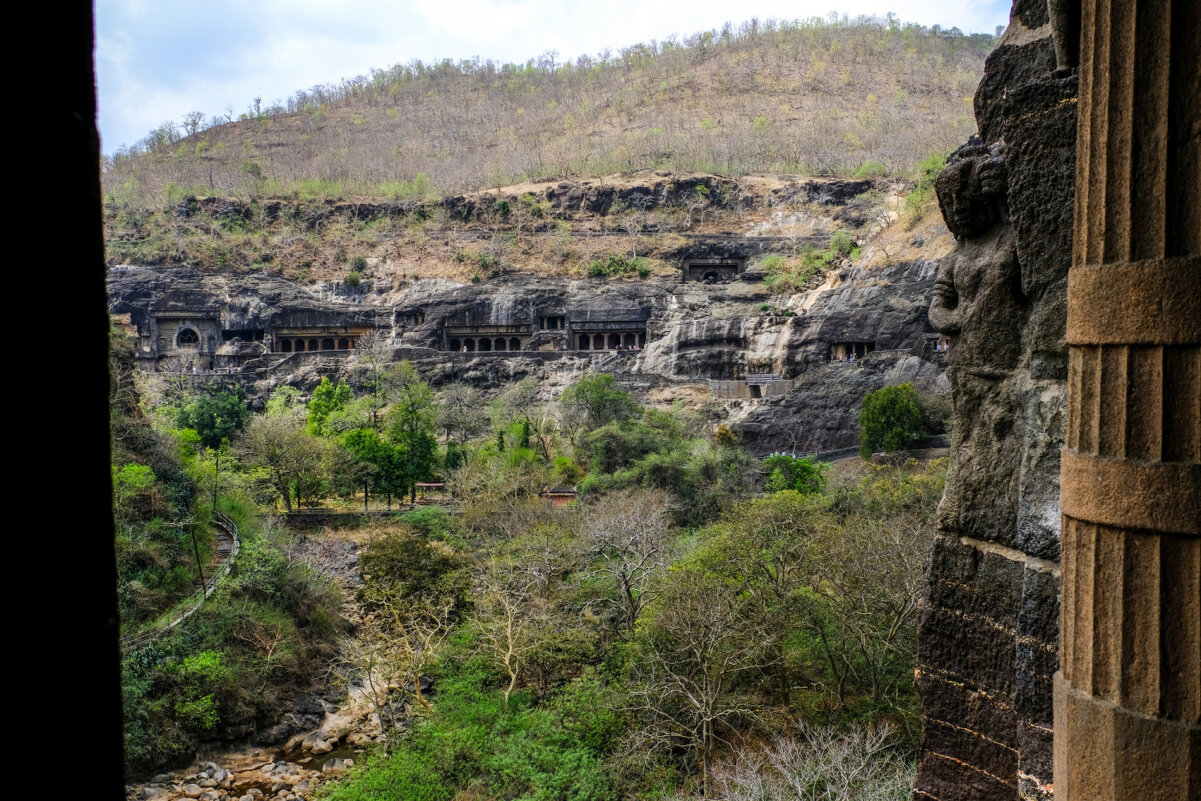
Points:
(635, 221)
(815, 97)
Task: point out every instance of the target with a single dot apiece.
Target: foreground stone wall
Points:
(989, 621)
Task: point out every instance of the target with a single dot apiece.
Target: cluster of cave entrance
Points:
(484, 344)
(612, 341)
(300, 344)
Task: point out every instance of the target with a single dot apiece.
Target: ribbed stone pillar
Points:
(1128, 695)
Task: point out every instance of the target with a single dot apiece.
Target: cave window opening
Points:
(514, 344)
(286, 346)
(314, 345)
(327, 344)
(456, 345)
(187, 338)
(343, 344)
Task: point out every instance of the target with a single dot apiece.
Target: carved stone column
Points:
(1128, 694)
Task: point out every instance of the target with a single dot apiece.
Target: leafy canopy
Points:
(217, 416)
(890, 420)
(785, 472)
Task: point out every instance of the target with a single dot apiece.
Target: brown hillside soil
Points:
(464, 239)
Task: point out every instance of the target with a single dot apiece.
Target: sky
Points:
(157, 60)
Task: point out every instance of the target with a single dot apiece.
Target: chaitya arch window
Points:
(187, 338)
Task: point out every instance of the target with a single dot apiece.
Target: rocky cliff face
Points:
(694, 333)
(821, 412)
(704, 335)
(989, 621)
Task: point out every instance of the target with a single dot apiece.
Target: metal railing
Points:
(186, 608)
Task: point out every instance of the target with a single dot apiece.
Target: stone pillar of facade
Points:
(1128, 694)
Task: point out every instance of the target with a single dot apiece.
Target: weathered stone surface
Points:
(988, 629)
(821, 412)
(692, 333)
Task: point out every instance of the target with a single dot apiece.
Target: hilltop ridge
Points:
(804, 97)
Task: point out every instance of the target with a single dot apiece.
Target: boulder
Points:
(337, 765)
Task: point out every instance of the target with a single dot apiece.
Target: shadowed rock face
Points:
(989, 620)
(821, 412)
(693, 331)
(884, 306)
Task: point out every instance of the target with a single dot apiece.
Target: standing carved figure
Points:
(977, 294)
(1065, 31)
(977, 304)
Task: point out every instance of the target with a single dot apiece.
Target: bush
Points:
(842, 244)
(890, 420)
(923, 190)
(871, 169)
(785, 472)
(616, 266)
(772, 262)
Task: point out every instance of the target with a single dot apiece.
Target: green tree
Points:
(786, 472)
(327, 398)
(217, 415)
(597, 400)
(890, 420)
(298, 463)
(411, 422)
(365, 446)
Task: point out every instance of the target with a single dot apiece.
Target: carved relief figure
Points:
(1065, 30)
(977, 295)
(978, 304)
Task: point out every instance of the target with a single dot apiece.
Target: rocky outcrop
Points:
(821, 412)
(250, 325)
(692, 330)
(600, 196)
(246, 778)
(989, 620)
(884, 306)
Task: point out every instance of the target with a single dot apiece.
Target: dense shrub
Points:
(890, 420)
(785, 472)
(617, 266)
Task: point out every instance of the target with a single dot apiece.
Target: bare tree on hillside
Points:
(630, 534)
